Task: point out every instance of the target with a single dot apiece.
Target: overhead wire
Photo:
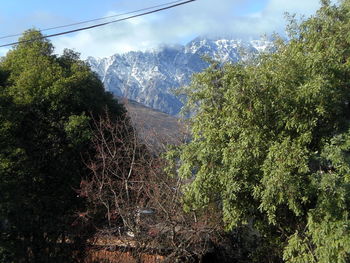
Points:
(102, 24)
(96, 19)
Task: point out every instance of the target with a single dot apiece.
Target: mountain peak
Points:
(149, 77)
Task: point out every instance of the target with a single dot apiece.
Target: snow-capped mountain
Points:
(149, 77)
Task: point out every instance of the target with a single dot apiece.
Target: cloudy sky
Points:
(236, 18)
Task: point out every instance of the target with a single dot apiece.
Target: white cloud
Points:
(3, 51)
(203, 17)
(136, 34)
(148, 32)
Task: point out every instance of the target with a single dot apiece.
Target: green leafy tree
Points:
(270, 143)
(46, 105)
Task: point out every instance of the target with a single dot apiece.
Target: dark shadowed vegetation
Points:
(45, 110)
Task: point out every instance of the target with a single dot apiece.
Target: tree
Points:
(270, 142)
(130, 195)
(46, 104)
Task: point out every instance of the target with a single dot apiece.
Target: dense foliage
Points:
(46, 105)
(271, 143)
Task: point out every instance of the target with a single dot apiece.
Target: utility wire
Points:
(99, 25)
(97, 19)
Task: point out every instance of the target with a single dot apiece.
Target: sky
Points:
(230, 18)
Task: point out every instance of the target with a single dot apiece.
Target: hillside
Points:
(156, 128)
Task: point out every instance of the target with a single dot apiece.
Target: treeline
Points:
(265, 177)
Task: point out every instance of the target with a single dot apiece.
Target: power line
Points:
(99, 25)
(97, 19)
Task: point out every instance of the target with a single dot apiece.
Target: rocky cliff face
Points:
(149, 77)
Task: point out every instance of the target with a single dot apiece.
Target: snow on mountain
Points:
(149, 77)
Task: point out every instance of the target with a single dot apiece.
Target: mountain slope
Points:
(149, 77)
(156, 129)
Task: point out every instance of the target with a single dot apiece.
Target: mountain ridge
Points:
(149, 77)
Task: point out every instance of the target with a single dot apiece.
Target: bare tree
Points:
(134, 205)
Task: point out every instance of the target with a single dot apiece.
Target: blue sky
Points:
(238, 18)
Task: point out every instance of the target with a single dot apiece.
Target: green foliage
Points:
(270, 142)
(46, 105)
(77, 129)
(327, 222)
